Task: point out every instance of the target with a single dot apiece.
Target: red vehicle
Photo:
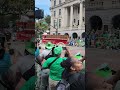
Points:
(25, 34)
(55, 39)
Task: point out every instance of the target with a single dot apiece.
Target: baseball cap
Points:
(58, 50)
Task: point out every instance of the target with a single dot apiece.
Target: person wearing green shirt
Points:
(56, 70)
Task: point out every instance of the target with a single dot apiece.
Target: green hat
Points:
(30, 46)
(58, 50)
(49, 45)
(78, 56)
(103, 71)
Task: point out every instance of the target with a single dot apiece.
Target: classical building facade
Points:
(68, 17)
(103, 15)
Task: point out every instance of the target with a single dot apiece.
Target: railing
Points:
(69, 0)
(102, 4)
(62, 3)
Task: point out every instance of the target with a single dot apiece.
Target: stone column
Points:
(66, 17)
(81, 15)
(63, 16)
(71, 16)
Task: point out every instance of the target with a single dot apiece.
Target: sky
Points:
(43, 4)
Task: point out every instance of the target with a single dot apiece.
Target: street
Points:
(96, 57)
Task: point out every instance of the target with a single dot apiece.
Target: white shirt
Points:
(45, 53)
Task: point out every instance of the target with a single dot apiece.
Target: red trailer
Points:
(55, 39)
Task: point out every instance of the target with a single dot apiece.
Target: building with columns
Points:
(103, 15)
(68, 17)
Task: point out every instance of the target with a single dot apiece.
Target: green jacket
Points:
(55, 69)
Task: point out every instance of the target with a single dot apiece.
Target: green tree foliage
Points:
(41, 26)
(10, 10)
(48, 19)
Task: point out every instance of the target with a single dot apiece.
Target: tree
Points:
(48, 19)
(15, 6)
(42, 25)
(10, 10)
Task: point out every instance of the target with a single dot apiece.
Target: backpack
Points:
(51, 54)
(63, 84)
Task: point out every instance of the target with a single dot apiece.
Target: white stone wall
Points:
(66, 19)
(106, 12)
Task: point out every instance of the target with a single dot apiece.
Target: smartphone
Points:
(64, 48)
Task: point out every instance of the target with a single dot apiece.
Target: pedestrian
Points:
(15, 76)
(72, 73)
(56, 70)
(46, 52)
(5, 61)
(41, 58)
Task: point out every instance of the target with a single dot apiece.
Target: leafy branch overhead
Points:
(43, 24)
(10, 10)
(15, 6)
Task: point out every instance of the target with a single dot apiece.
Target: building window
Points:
(59, 11)
(78, 22)
(78, 10)
(74, 20)
(59, 1)
(54, 2)
(113, 2)
(83, 19)
(54, 23)
(54, 13)
(102, 3)
(105, 27)
(59, 23)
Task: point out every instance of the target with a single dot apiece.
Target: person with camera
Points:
(53, 64)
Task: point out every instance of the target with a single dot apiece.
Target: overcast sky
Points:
(43, 4)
